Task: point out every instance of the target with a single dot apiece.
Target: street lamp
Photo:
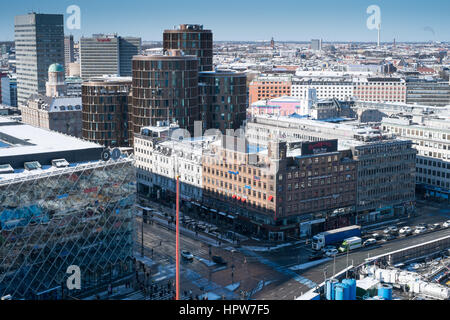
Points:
(142, 236)
(178, 240)
(232, 274)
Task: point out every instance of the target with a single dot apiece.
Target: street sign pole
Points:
(178, 240)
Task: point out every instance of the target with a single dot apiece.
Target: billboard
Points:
(319, 147)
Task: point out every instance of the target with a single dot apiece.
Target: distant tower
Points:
(272, 43)
(379, 31)
(395, 46)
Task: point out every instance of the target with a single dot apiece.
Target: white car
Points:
(391, 229)
(405, 231)
(328, 248)
(420, 230)
(446, 224)
(369, 242)
(187, 255)
(376, 235)
(331, 252)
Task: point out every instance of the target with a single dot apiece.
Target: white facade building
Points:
(159, 160)
(326, 88)
(431, 138)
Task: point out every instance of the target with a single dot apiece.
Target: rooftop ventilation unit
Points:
(33, 165)
(6, 168)
(60, 163)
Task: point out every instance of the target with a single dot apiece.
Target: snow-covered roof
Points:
(24, 139)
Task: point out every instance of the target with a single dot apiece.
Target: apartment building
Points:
(326, 88)
(427, 92)
(222, 99)
(60, 114)
(347, 88)
(106, 111)
(380, 89)
(192, 39)
(107, 55)
(269, 87)
(165, 87)
(160, 158)
(431, 139)
(271, 190)
(39, 41)
(386, 165)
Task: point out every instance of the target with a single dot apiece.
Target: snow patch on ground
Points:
(207, 262)
(233, 286)
(211, 296)
(267, 249)
(309, 264)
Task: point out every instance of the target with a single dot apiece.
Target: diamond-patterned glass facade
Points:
(80, 215)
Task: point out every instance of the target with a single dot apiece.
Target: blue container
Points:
(385, 291)
(352, 288)
(346, 291)
(330, 293)
(342, 291)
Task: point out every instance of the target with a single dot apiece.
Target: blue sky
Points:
(298, 20)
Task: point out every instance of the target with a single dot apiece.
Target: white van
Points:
(351, 244)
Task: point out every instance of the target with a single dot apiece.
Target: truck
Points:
(323, 239)
(351, 244)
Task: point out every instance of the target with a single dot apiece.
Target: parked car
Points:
(328, 248)
(331, 252)
(369, 242)
(315, 256)
(218, 260)
(405, 231)
(213, 229)
(419, 230)
(187, 255)
(434, 226)
(376, 236)
(389, 237)
(391, 229)
(446, 224)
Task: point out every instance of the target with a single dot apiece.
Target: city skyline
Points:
(411, 21)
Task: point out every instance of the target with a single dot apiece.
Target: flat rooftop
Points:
(21, 143)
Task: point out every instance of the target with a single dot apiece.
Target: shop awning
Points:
(213, 210)
(222, 213)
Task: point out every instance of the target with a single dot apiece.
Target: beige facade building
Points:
(61, 114)
(272, 190)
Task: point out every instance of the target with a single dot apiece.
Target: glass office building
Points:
(52, 218)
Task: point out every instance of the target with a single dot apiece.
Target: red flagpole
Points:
(178, 241)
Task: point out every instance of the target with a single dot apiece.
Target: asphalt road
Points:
(197, 274)
(268, 274)
(316, 274)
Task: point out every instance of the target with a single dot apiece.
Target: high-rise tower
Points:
(165, 87)
(193, 40)
(39, 42)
